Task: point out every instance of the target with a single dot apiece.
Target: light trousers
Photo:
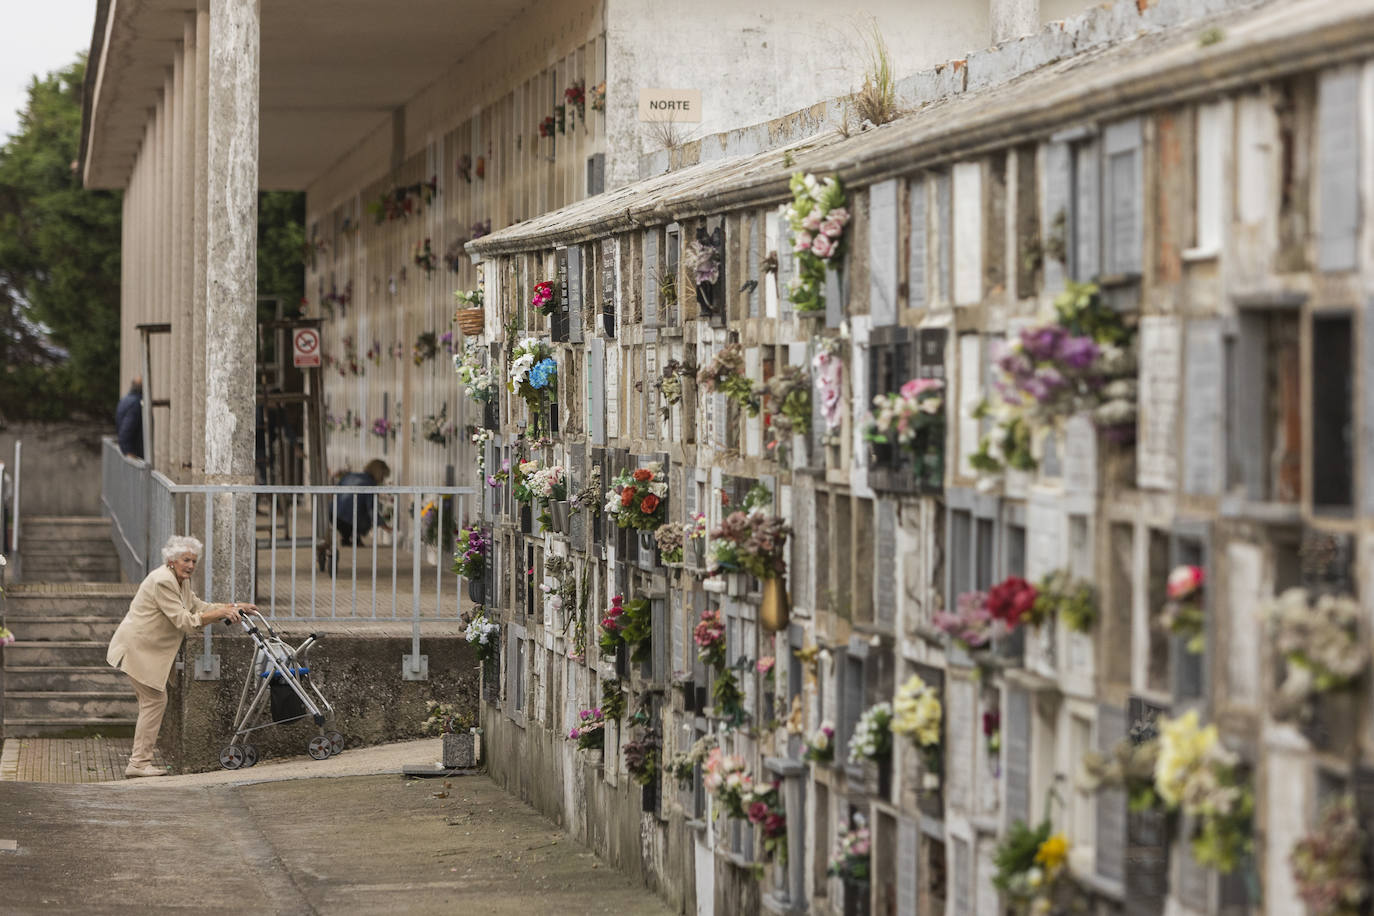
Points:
(151, 704)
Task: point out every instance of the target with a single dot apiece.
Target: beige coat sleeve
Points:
(145, 644)
(179, 605)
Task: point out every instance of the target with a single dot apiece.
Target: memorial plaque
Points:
(1157, 445)
(1087, 215)
(917, 254)
(1338, 168)
(1054, 225)
(968, 233)
(1203, 418)
(882, 252)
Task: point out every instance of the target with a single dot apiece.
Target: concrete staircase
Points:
(55, 682)
(67, 549)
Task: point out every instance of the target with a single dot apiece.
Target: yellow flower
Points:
(1183, 748)
(1053, 852)
(916, 712)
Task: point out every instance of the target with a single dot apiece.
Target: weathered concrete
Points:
(61, 474)
(358, 668)
(375, 844)
(568, 786)
(231, 276)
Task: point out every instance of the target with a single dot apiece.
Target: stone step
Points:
(100, 546)
(49, 527)
(50, 705)
(67, 562)
(65, 629)
(53, 677)
(110, 601)
(79, 727)
(63, 654)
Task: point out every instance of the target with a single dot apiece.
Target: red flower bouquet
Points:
(638, 499)
(1011, 600)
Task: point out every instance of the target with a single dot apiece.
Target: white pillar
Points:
(184, 265)
(1012, 19)
(199, 238)
(231, 281)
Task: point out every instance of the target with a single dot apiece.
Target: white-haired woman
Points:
(146, 642)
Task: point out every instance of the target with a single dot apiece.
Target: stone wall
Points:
(1211, 242)
(61, 465)
(359, 671)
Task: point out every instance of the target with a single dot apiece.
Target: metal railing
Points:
(9, 508)
(296, 551)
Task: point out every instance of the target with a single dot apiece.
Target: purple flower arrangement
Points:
(470, 558)
(590, 731)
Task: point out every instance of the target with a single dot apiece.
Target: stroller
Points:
(281, 692)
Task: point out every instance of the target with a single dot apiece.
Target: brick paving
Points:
(66, 760)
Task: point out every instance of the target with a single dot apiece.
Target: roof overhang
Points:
(330, 74)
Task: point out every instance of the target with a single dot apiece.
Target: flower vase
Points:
(526, 519)
(431, 555)
(559, 513)
(459, 750)
(646, 540)
(885, 778)
(698, 553)
(622, 661)
(775, 609)
(856, 898)
(477, 591)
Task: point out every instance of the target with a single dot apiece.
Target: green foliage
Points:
(1015, 855)
(639, 629)
(612, 699)
(281, 241)
(59, 264)
(60, 248)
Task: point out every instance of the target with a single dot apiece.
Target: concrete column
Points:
(156, 387)
(182, 325)
(1012, 19)
(198, 237)
(231, 281)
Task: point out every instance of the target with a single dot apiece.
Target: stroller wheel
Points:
(319, 747)
(250, 755)
(231, 758)
(336, 742)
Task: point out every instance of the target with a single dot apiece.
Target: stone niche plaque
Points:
(1326, 561)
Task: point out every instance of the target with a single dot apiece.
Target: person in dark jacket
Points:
(129, 420)
(354, 527)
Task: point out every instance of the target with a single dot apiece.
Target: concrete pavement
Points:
(286, 838)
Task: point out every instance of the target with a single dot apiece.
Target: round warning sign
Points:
(305, 347)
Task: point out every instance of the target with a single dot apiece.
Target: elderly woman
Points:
(146, 642)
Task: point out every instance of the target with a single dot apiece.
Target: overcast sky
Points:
(36, 37)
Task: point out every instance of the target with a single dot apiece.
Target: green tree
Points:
(281, 248)
(59, 265)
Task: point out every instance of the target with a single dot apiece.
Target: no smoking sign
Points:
(305, 347)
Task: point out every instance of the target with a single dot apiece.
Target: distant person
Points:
(146, 643)
(354, 527)
(129, 420)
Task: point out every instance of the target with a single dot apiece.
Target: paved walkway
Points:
(272, 840)
(69, 760)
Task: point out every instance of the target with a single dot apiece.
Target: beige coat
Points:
(161, 614)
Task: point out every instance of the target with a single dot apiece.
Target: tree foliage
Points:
(281, 247)
(59, 265)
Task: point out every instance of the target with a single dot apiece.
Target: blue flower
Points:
(542, 373)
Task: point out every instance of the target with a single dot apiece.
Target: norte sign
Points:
(670, 105)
